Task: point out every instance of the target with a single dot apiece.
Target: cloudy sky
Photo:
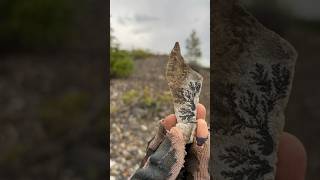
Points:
(157, 25)
(308, 9)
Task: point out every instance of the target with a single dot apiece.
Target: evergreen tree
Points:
(193, 48)
(114, 45)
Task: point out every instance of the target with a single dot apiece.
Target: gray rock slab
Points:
(185, 85)
(252, 74)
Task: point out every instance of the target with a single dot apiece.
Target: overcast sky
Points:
(309, 9)
(306, 9)
(158, 24)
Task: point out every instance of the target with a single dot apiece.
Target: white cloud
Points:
(157, 25)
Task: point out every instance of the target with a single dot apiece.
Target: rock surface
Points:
(185, 85)
(252, 76)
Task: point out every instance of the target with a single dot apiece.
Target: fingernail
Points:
(201, 140)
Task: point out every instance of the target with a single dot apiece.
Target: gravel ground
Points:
(133, 124)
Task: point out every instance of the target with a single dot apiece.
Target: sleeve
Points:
(166, 161)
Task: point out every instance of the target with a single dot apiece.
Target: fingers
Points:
(292, 158)
(202, 132)
(169, 122)
(201, 111)
(202, 128)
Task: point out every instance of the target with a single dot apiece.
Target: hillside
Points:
(137, 103)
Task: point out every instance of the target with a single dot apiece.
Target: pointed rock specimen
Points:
(252, 73)
(185, 85)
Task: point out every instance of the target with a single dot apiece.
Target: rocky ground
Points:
(137, 104)
(52, 117)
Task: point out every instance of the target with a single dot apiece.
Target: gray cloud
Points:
(156, 25)
(123, 20)
(142, 30)
(137, 18)
(145, 18)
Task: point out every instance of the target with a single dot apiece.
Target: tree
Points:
(114, 44)
(193, 48)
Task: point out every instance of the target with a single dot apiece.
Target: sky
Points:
(305, 9)
(308, 9)
(157, 25)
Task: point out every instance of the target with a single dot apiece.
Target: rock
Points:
(144, 128)
(112, 163)
(252, 75)
(185, 86)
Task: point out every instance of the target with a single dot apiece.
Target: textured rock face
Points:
(185, 86)
(252, 75)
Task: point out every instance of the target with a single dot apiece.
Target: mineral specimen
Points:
(185, 86)
(252, 73)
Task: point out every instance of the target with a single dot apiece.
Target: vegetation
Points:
(121, 61)
(130, 96)
(140, 54)
(193, 48)
(146, 98)
(34, 23)
(63, 113)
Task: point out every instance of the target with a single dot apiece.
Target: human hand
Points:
(166, 158)
(292, 158)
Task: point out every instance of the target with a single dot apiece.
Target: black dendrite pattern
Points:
(187, 97)
(252, 166)
(252, 112)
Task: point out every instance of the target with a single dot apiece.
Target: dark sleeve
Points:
(159, 164)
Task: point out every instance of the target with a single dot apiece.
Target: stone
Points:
(144, 128)
(252, 74)
(112, 163)
(185, 86)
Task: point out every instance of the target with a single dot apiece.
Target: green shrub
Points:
(140, 54)
(130, 96)
(121, 64)
(14, 154)
(60, 114)
(165, 97)
(34, 23)
(148, 99)
(113, 109)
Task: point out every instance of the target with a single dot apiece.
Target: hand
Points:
(196, 164)
(292, 156)
(166, 158)
(292, 159)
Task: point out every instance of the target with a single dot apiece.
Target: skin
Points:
(292, 157)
